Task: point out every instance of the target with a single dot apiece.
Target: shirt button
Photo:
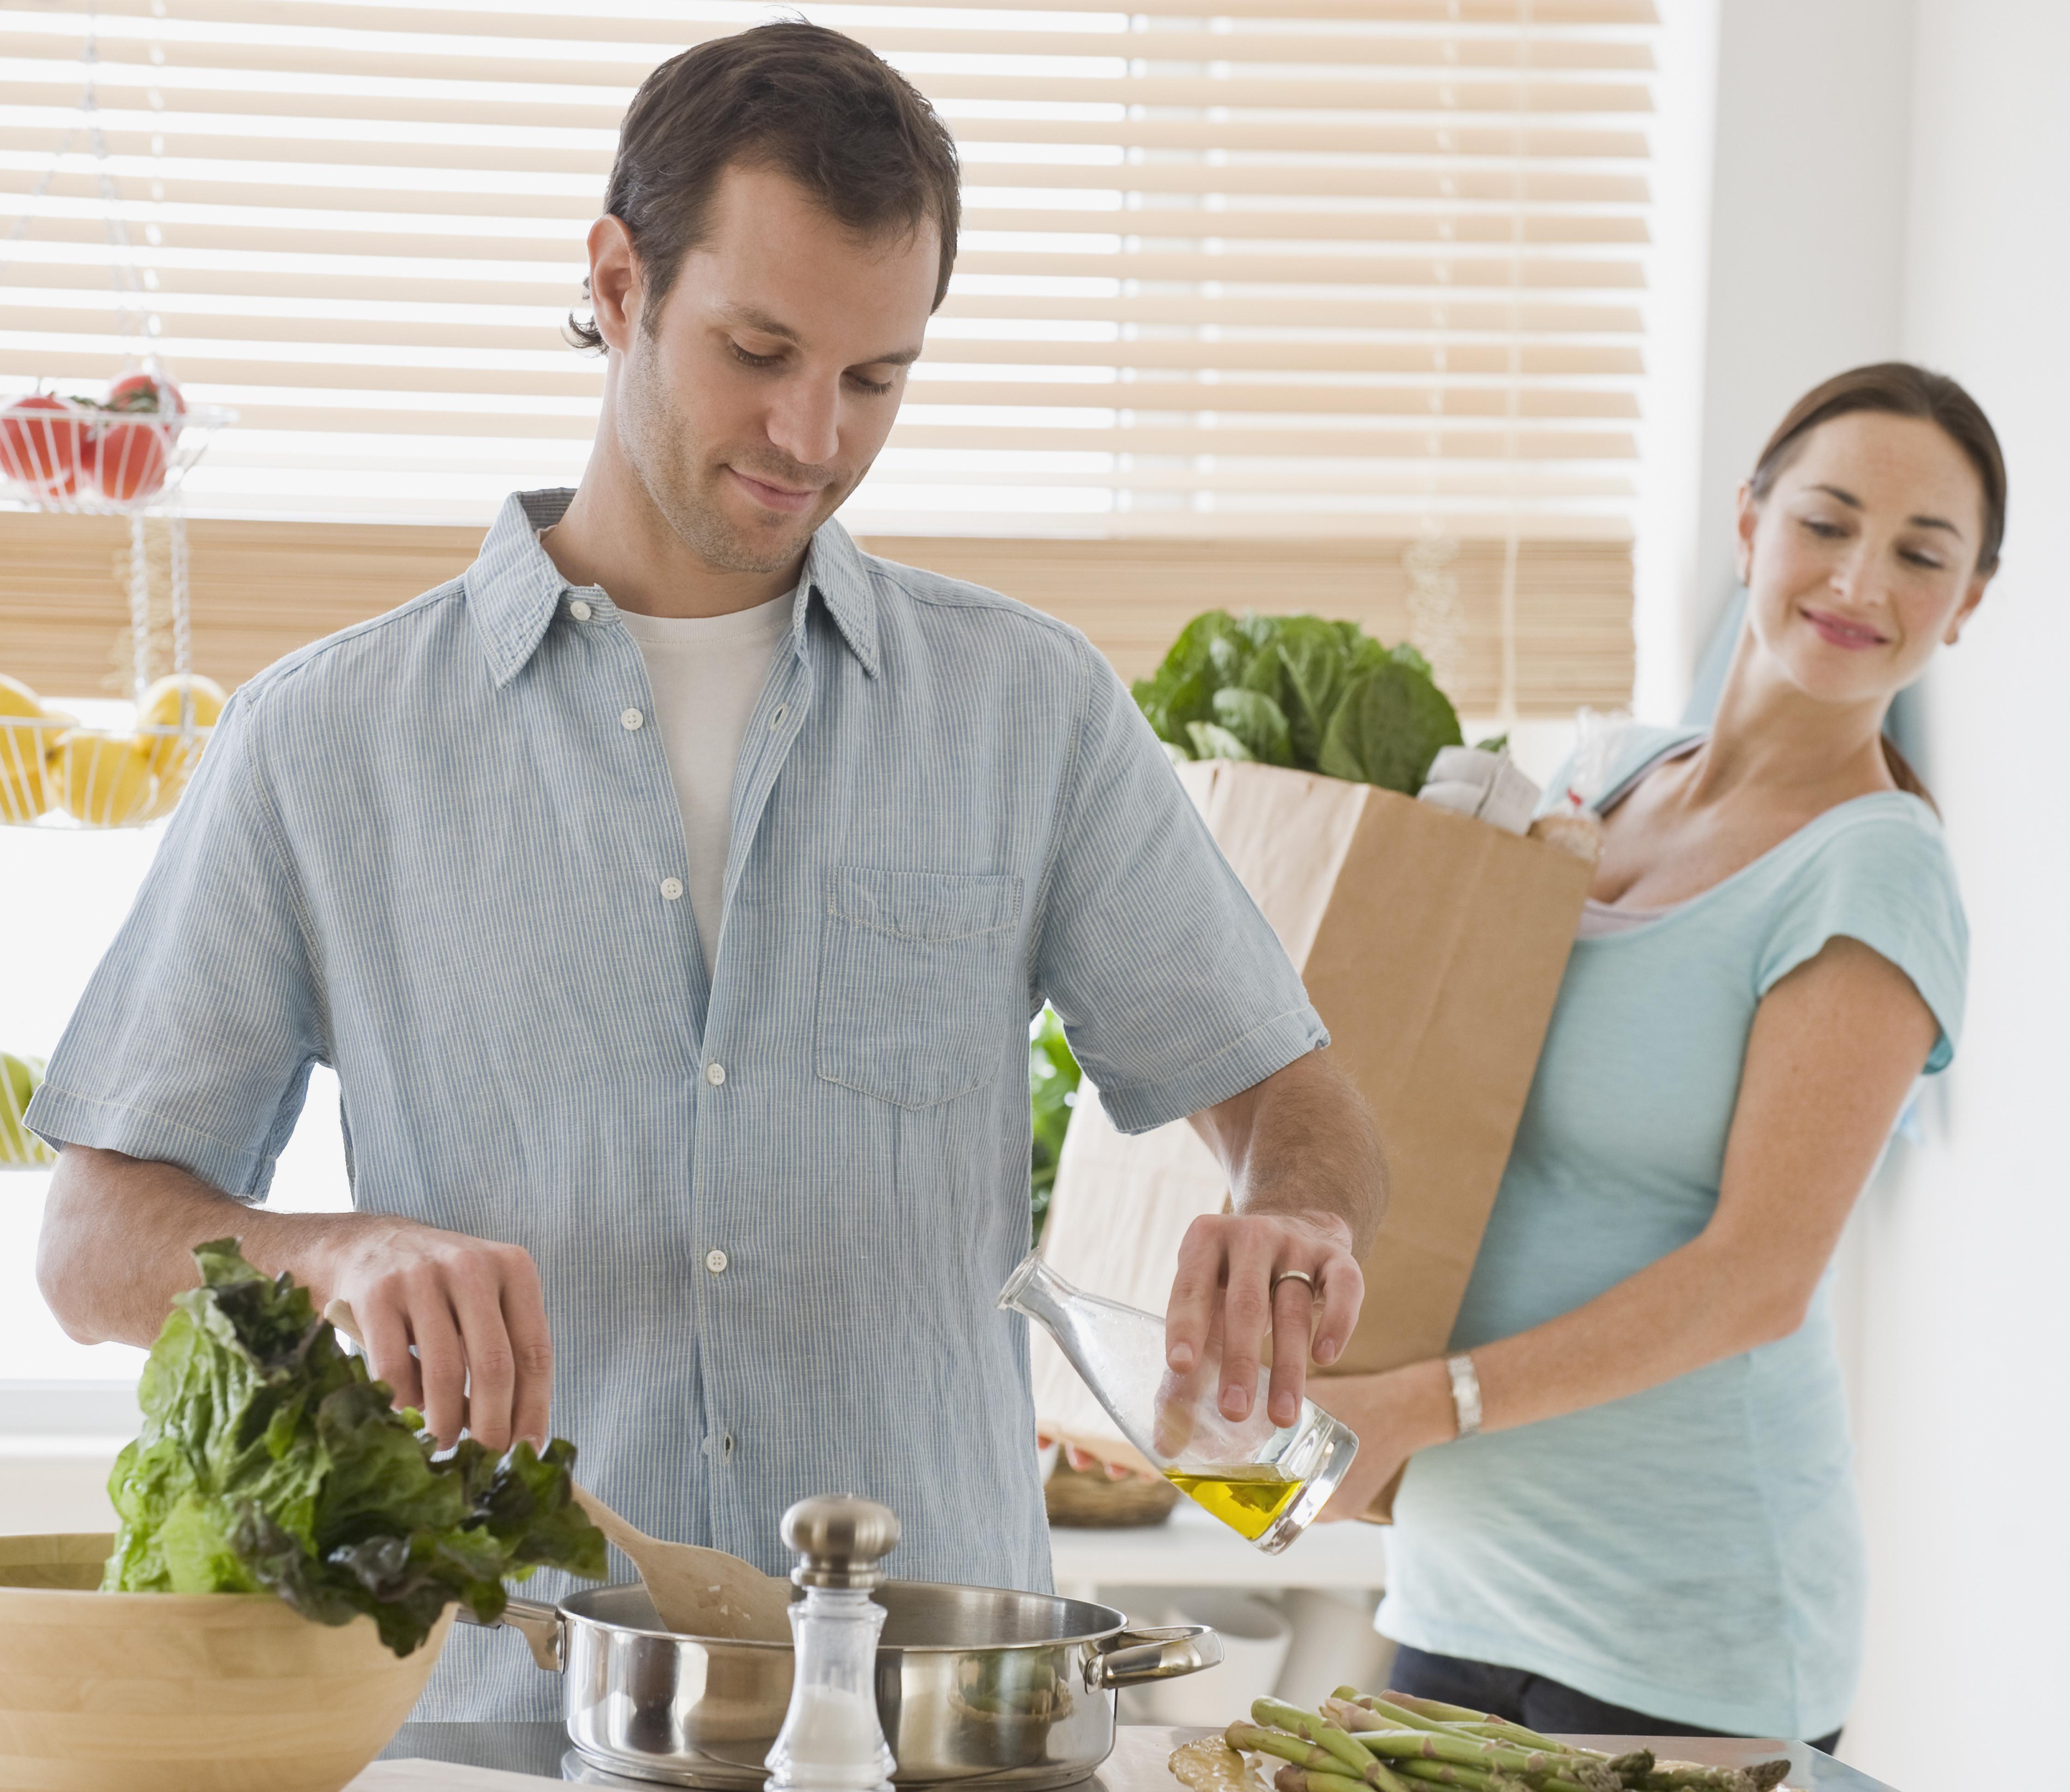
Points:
(580, 611)
(715, 1072)
(671, 889)
(630, 720)
(715, 1261)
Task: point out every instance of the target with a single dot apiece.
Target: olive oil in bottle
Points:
(1247, 1500)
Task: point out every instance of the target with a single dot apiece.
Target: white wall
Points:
(1964, 1325)
(1806, 227)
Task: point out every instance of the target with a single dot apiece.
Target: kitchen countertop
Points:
(1137, 1764)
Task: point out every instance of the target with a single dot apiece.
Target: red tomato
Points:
(143, 391)
(129, 459)
(41, 450)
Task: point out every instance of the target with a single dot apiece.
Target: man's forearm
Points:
(118, 1233)
(456, 1325)
(1303, 1142)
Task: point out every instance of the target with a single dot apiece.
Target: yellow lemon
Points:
(170, 756)
(25, 780)
(26, 735)
(16, 698)
(102, 779)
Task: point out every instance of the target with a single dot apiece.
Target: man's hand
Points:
(1227, 1268)
(1309, 1186)
(117, 1241)
(474, 1313)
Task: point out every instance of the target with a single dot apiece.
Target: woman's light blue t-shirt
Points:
(1693, 1552)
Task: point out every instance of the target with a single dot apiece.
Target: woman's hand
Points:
(1395, 1414)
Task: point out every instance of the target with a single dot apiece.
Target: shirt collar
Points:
(514, 586)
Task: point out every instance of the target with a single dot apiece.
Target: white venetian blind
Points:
(1311, 267)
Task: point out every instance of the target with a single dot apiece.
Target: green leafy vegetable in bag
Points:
(1300, 691)
(1052, 1091)
(1257, 721)
(270, 1462)
(1388, 729)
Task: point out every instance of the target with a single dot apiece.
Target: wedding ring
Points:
(1301, 1276)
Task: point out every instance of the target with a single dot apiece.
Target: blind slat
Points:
(442, 241)
(1456, 13)
(339, 112)
(579, 380)
(328, 162)
(519, 92)
(1452, 318)
(529, 331)
(373, 39)
(1250, 223)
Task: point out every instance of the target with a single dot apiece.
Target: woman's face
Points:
(1861, 559)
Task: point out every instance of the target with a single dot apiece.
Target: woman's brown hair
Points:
(1899, 389)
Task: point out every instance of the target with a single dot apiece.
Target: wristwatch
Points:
(1466, 1393)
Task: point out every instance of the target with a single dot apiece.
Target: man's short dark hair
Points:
(807, 102)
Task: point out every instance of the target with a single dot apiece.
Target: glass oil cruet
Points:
(1266, 1482)
(832, 1740)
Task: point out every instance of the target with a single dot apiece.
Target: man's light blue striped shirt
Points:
(771, 1210)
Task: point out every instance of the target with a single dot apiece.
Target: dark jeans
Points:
(1534, 1701)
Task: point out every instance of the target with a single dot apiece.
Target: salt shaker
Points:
(832, 1740)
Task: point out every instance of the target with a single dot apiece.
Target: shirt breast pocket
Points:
(917, 982)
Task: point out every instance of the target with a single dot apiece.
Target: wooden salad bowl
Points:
(213, 1692)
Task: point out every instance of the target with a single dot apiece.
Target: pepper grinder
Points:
(832, 1740)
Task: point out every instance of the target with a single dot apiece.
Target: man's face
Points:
(755, 402)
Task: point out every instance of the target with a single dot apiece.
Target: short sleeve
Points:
(1173, 989)
(193, 1043)
(1883, 877)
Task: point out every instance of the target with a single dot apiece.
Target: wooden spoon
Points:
(696, 1591)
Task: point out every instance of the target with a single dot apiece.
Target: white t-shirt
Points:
(707, 673)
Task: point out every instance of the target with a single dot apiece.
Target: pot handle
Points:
(541, 1625)
(1134, 1657)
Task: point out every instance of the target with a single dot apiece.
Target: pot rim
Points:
(1118, 1626)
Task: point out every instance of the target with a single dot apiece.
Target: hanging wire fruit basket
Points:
(122, 453)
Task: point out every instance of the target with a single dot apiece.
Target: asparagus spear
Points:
(1481, 1779)
(1291, 1778)
(1378, 1714)
(1432, 1707)
(1682, 1776)
(1318, 1730)
(1465, 1751)
(1256, 1738)
(1460, 1717)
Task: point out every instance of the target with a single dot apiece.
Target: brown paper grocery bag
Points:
(1432, 946)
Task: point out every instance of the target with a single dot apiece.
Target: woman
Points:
(1655, 1530)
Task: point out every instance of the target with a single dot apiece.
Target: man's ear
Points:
(614, 289)
(1748, 520)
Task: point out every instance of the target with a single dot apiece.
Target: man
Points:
(671, 893)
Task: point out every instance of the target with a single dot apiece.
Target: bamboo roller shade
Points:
(263, 589)
(1344, 268)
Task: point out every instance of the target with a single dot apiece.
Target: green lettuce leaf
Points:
(270, 1461)
(1258, 722)
(1212, 741)
(1388, 729)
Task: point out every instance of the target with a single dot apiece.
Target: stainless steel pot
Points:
(976, 1686)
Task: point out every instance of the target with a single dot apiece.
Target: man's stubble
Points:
(661, 443)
